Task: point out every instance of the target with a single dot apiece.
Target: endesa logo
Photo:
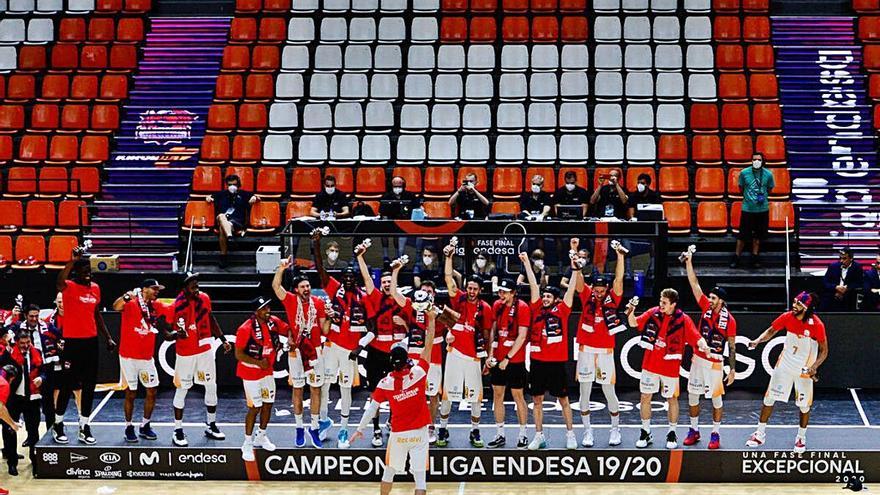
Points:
(202, 458)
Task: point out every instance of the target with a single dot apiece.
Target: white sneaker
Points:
(538, 442)
(571, 442)
(432, 435)
(757, 439)
(247, 452)
(614, 438)
(262, 440)
(588, 438)
(800, 445)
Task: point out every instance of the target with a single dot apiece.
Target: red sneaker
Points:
(714, 441)
(692, 437)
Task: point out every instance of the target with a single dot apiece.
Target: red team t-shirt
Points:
(405, 393)
(341, 334)
(245, 334)
(508, 319)
(136, 340)
(474, 316)
(813, 327)
(599, 338)
(291, 302)
(553, 327)
(197, 322)
(730, 332)
(4, 390)
(382, 308)
(417, 318)
(654, 360)
(79, 309)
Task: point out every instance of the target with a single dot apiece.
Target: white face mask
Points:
(332, 256)
(569, 187)
(330, 190)
(232, 189)
(481, 263)
(756, 164)
(397, 190)
(536, 188)
(427, 260)
(641, 188)
(539, 264)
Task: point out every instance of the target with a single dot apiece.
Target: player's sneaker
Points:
(247, 452)
(474, 438)
(130, 437)
(214, 433)
(58, 433)
(714, 441)
(538, 442)
(692, 437)
(324, 426)
(522, 442)
(800, 445)
(757, 439)
(146, 432)
(571, 442)
(261, 439)
(342, 439)
(432, 435)
(314, 436)
(644, 440)
(497, 442)
(671, 440)
(377, 438)
(443, 437)
(300, 438)
(85, 435)
(179, 438)
(614, 439)
(587, 441)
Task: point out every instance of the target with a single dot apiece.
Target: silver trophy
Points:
(690, 251)
(615, 245)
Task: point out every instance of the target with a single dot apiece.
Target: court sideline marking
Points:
(202, 423)
(861, 410)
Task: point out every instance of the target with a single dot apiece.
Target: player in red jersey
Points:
(307, 316)
(404, 388)
(7, 375)
(46, 339)
(257, 344)
(706, 377)
(805, 349)
(381, 310)
(466, 345)
(599, 323)
(548, 339)
(195, 333)
(665, 331)
(347, 314)
(417, 321)
(82, 299)
(143, 317)
(512, 318)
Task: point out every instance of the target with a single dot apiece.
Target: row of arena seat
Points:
(48, 7)
(21, 182)
(31, 253)
(67, 118)
(25, 88)
(56, 149)
(72, 30)
(117, 57)
(43, 215)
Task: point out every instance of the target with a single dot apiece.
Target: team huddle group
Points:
(401, 342)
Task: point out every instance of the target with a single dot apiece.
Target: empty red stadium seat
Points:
(674, 182)
(33, 57)
(265, 217)
(575, 29)
(297, 209)
(259, 87)
(487, 6)
(756, 6)
(866, 6)
(33, 148)
(732, 87)
(760, 58)
(453, 29)
(273, 29)
(767, 117)
(245, 175)
(780, 211)
(137, 6)
(85, 182)
(709, 183)
(30, 252)
(44, 117)
(437, 209)
(93, 58)
(729, 58)
(246, 149)
(506, 207)
(60, 250)
(11, 118)
(704, 117)
(371, 183)
(39, 216)
(114, 87)
(215, 148)
(454, 6)
(772, 147)
(108, 6)
(130, 30)
(75, 117)
(265, 58)
(578, 6)
(763, 86)
(480, 172)
(229, 87)
(6, 253)
(84, 87)
(706, 150)
(756, 29)
(94, 149)
(236, 58)
(735, 117)
(55, 87)
(738, 149)
(726, 29)
(733, 190)
(545, 29)
(21, 182)
(439, 182)
(206, 180)
(678, 216)
(5, 148)
(72, 215)
(483, 30)
(11, 215)
(305, 182)
(871, 58)
(20, 87)
(412, 176)
(252, 117)
(53, 182)
(63, 149)
(101, 29)
(782, 182)
(271, 182)
(221, 117)
(515, 29)
(543, 5)
(243, 30)
(712, 217)
(72, 30)
(123, 58)
(507, 182)
(198, 216)
(105, 118)
(672, 149)
(725, 5)
(869, 29)
(514, 6)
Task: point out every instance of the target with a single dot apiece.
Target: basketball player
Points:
(196, 330)
(46, 339)
(665, 330)
(142, 318)
(805, 349)
(404, 389)
(348, 323)
(80, 333)
(417, 323)
(548, 337)
(256, 345)
(8, 374)
(717, 327)
(462, 378)
(598, 325)
(307, 317)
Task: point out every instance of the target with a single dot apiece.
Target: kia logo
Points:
(110, 457)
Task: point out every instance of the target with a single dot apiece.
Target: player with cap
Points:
(195, 333)
(548, 339)
(257, 342)
(307, 317)
(665, 330)
(599, 323)
(143, 317)
(507, 364)
(717, 327)
(466, 345)
(404, 389)
(805, 349)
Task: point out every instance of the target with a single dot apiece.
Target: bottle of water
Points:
(639, 284)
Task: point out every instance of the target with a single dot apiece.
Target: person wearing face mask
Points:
(755, 184)
(231, 206)
(609, 199)
(333, 262)
(872, 286)
(397, 204)
(641, 196)
(587, 270)
(485, 269)
(843, 279)
(467, 202)
(330, 202)
(428, 268)
(538, 268)
(535, 204)
(571, 195)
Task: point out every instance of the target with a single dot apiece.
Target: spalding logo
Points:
(110, 457)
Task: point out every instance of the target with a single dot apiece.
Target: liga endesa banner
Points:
(55, 462)
(851, 363)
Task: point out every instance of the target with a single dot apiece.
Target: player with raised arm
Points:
(717, 326)
(805, 349)
(548, 338)
(307, 317)
(598, 325)
(404, 388)
(466, 345)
